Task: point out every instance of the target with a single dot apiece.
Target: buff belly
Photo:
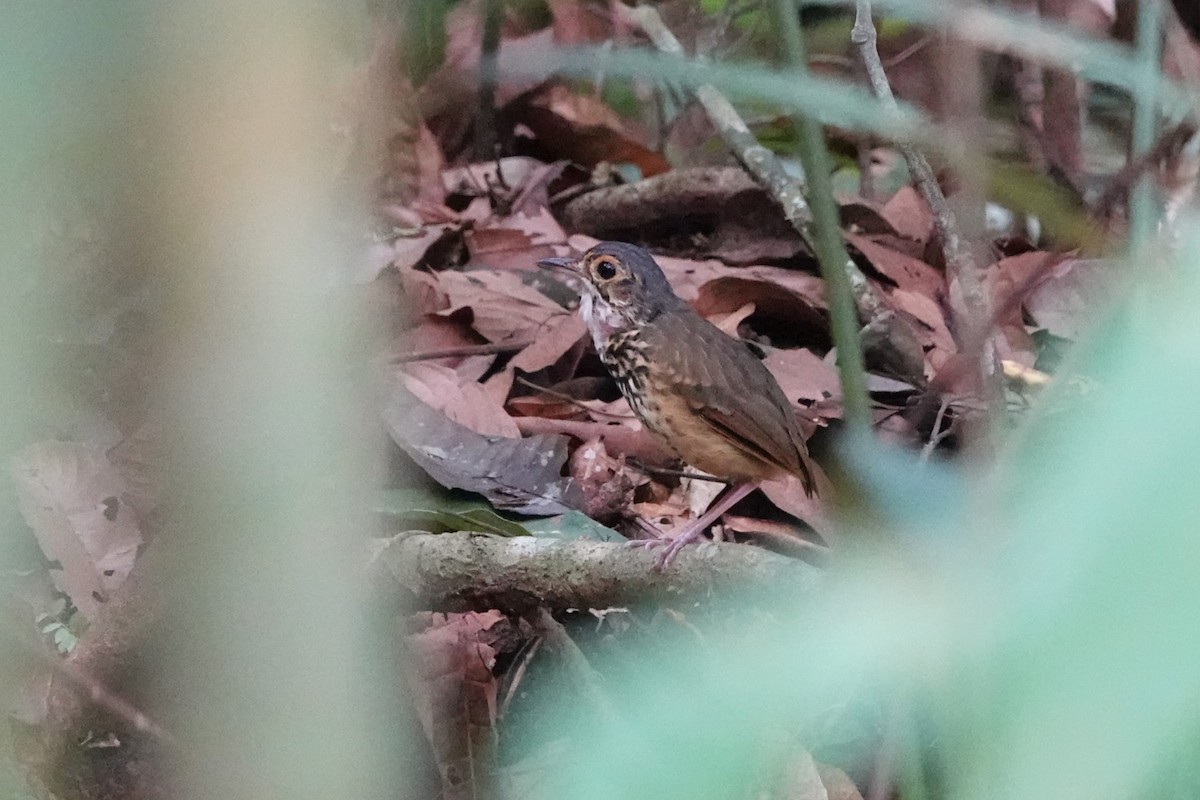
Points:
(667, 415)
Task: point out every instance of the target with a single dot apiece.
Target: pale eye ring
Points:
(606, 270)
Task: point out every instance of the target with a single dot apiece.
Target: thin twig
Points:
(936, 435)
(960, 262)
(566, 398)
(99, 693)
(909, 52)
(675, 473)
(525, 658)
(465, 350)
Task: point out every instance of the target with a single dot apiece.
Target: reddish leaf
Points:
(908, 273)
(932, 330)
(778, 312)
(517, 241)
(455, 695)
(437, 333)
(466, 403)
(588, 144)
(503, 307)
(804, 377)
(403, 252)
(554, 340)
(908, 214)
(606, 483)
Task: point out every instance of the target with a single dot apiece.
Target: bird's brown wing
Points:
(730, 389)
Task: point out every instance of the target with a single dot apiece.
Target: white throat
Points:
(601, 318)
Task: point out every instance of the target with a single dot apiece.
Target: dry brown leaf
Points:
(403, 252)
(465, 402)
(908, 273)
(437, 333)
(626, 439)
(606, 482)
(932, 330)
(1065, 304)
(779, 313)
(582, 129)
(908, 214)
(515, 242)
(1013, 273)
(689, 276)
(522, 475)
(455, 696)
(504, 308)
(804, 376)
(554, 340)
(73, 498)
(729, 322)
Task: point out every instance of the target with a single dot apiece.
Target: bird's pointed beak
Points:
(558, 262)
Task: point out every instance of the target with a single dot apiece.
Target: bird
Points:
(702, 391)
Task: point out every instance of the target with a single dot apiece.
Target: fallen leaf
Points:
(908, 273)
(908, 214)
(581, 129)
(415, 509)
(783, 315)
(455, 693)
(521, 475)
(435, 333)
(464, 402)
(553, 340)
(402, 252)
(503, 307)
(605, 482)
(1066, 303)
(71, 496)
(804, 376)
(932, 330)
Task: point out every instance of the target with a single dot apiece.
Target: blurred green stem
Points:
(831, 252)
(1145, 119)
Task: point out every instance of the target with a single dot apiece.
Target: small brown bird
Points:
(702, 391)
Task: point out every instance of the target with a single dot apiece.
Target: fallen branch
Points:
(461, 571)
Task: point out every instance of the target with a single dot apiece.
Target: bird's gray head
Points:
(623, 286)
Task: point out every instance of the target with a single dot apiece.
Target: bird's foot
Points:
(670, 547)
(693, 530)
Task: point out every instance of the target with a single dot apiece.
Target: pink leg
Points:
(695, 529)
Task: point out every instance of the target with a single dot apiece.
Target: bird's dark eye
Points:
(606, 270)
